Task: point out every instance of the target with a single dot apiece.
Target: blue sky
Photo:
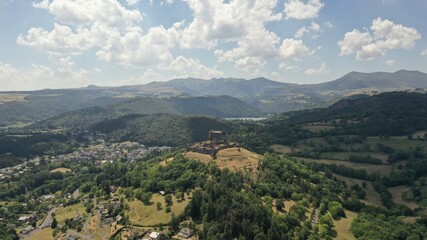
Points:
(75, 43)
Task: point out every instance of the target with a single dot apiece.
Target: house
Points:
(162, 193)
(27, 230)
(26, 218)
(186, 233)
(154, 235)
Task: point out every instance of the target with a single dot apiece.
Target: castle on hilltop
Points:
(216, 142)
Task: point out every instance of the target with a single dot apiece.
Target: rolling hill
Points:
(265, 95)
(220, 106)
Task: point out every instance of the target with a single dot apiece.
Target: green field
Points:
(344, 156)
(69, 212)
(372, 196)
(343, 226)
(45, 234)
(397, 194)
(370, 168)
(144, 215)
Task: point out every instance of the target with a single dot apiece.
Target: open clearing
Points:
(283, 149)
(234, 159)
(370, 168)
(344, 156)
(61, 170)
(69, 212)
(144, 215)
(397, 193)
(372, 196)
(44, 234)
(11, 97)
(343, 226)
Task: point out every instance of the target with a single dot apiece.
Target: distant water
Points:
(246, 118)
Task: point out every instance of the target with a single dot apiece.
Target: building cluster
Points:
(104, 153)
(15, 171)
(216, 142)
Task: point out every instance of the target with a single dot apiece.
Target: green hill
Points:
(160, 129)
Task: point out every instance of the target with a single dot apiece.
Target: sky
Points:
(76, 43)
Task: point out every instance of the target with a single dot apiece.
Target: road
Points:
(46, 223)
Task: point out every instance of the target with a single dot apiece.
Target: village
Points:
(99, 154)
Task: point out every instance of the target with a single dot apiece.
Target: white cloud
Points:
(83, 12)
(215, 20)
(292, 48)
(135, 49)
(62, 40)
(250, 64)
(63, 74)
(390, 63)
(286, 66)
(276, 76)
(323, 69)
(385, 35)
(297, 9)
(182, 67)
(106, 26)
(313, 30)
(424, 53)
(132, 2)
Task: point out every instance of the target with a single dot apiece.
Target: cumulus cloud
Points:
(298, 9)
(424, 53)
(276, 76)
(106, 26)
(385, 35)
(250, 64)
(183, 67)
(292, 48)
(62, 74)
(83, 12)
(323, 69)
(390, 63)
(132, 2)
(135, 49)
(313, 30)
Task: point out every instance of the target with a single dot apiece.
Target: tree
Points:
(54, 223)
(279, 204)
(159, 206)
(168, 200)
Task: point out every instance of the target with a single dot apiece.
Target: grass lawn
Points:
(283, 149)
(397, 142)
(370, 168)
(372, 197)
(234, 159)
(44, 234)
(343, 226)
(69, 212)
(397, 192)
(346, 155)
(61, 170)
(149, 215)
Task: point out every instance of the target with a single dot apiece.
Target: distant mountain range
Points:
(261, 94)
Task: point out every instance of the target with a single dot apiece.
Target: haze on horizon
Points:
(76, 43)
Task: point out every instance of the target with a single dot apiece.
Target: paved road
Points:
(48, 220)
(46, 223)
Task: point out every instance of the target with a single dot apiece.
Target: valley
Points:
(321, 174)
